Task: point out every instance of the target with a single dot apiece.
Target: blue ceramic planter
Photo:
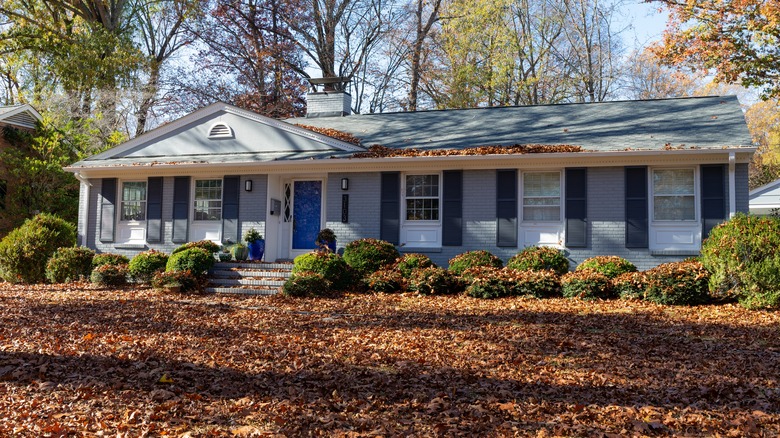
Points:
(256, 249)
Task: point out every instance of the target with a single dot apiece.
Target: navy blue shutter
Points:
(230, 193)
(181, 208)
(390, 207)
(506, 207)
(452, 214)
(637, 220)
(154, 191)
(107, 209)
(576, 207)
(713, 197)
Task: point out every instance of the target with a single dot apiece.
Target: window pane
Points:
(133, 203)
(546, 214)
(422, 197)
(542, 196)
(673, 182)
(422, 185)
(674, 208)
(208, 200)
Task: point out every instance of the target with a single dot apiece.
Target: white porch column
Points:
(732, 185)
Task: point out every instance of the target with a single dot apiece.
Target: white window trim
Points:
(403, 199)
(552, 227)
(521, 195)
(221, 200)
(696, 197)
(122, 201)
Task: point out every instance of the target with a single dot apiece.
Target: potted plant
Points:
(326, 240)
(239, 251)
(255, 243)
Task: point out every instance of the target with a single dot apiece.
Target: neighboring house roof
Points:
(703, 122)
(19, 115)
(766, 197)
(610, 127)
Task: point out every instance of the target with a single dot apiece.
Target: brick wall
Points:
(364, 206)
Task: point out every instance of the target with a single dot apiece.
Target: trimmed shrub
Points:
(488, 282)
(108, 258)
(611, 266)
(539, 258)
(434, 281)
(185, 280)
(369, 255)
(109, 275)
(411, 261)
(539, 284)
(145, 265)
(70, 264)
(630, 285)
(472, 259)
(743, 258)
(385, 280)
(586, 284)
(683, 283)
(306, 284)
(331, 266)
(197, 260)
(25, 251)
(208, 245)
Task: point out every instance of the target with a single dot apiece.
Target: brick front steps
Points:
(248, 278)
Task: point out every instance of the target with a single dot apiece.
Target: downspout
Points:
(732, 184)
(83, 222)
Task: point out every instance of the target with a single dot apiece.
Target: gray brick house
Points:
(652, 179)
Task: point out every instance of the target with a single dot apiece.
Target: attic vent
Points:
(220, 130)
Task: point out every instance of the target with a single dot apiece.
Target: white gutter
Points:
(388, 162)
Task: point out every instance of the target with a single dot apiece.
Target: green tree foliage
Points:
(35, 161)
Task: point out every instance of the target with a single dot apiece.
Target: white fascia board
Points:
(154, 134)
(467, 162)
(23, 108)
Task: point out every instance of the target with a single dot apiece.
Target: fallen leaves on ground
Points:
(77, 361)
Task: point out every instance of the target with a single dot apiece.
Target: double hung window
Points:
(422, 197)
(208, 200)
(674, 195)
(133, 206)
(542, 196)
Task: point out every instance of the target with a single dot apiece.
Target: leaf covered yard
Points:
(86, 362)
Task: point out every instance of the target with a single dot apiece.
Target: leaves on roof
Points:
(333, 133)
(378, 151)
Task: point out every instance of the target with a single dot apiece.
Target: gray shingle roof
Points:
(705, 122)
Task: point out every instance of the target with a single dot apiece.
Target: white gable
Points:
(765, 198)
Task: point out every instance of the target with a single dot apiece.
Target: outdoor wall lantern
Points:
(248, 185)
(344, 183)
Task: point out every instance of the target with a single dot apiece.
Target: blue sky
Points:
(646, 22)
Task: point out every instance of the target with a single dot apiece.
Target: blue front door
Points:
(307, 214)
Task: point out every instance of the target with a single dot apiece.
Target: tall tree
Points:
(646, 78)
(739, 40)
(426, 14)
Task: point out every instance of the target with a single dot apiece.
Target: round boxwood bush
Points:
(434, 280)
(306, 284)
(108, 258)
(197, 260)
(25, 251)
(109, 275)
(145, 265)
(70, 264)
(586, 284)
(743, 258)
(611, 266)
(540, 284)
(369, 255)
(331, 266)
(682, 283)
(539, 258)
(411, 261)
(472, 259)
(385, 280)
(208, 245)
(488, 282)
(184, 280)
(630, 285)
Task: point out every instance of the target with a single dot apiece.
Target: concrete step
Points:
(249, 273)
(246, 282)
(253, 265)
(243, 290)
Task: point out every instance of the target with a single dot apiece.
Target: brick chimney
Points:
(333, 101)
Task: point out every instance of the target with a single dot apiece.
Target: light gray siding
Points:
(252, 205)
(364, 205)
